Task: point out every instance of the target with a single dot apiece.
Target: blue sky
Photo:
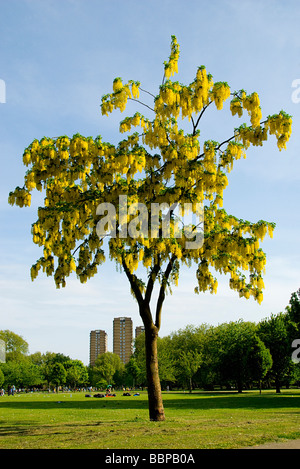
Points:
(58, 57)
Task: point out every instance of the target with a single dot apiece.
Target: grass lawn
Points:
(217, 420)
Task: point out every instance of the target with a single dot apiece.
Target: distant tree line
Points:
(236, 355)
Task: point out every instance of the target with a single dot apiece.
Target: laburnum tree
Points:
(156, 162)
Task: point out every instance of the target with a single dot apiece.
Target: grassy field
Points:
(198, 420)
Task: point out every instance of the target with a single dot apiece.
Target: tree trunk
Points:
(239, 386)
(156, 408)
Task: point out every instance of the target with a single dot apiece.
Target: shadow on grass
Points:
(197, 401)
(19, 428)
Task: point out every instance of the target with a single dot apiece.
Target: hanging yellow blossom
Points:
(219, 93)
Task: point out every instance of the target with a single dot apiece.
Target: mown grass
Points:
(193, 421)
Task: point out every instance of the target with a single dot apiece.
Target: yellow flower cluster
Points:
(201, 88)
(236, 107)
(171, 66)
(219, 93)
(234, 151)
(249, 135)
(280, 125)
(20, 197)
(136, 120)
(155, 136)
(205, 279)
(118, 99)
(227, 250)
(209, 161)
(252, 104)
(167, 103)
(249, 102)
(174, 97)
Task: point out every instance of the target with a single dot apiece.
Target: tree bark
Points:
(156, 408)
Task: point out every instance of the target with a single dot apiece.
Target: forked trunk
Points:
(156, 408)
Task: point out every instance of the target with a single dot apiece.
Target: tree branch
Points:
(140, 102)
(151, 281)
(222, 143)
(162, 292)
(201, 114)
(132, 280)
(145, 91)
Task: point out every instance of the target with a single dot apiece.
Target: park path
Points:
(291, 444)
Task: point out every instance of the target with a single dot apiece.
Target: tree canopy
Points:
(14, 343)
(79, 173)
